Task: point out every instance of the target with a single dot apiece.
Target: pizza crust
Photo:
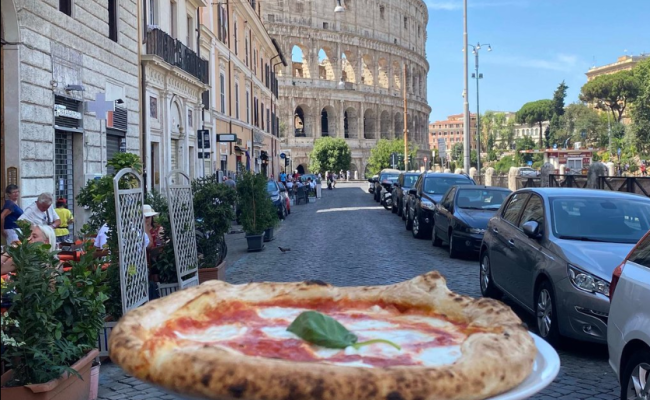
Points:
(491, 363)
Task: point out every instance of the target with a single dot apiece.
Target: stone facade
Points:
(56, 57)
(346, 79)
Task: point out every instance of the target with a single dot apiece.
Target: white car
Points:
(628, 328)
(527, 172)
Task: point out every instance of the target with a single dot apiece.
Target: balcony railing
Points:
(177, 54)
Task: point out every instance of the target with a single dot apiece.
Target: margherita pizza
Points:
(412, 340)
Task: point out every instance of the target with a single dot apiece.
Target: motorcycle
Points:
(387, 195)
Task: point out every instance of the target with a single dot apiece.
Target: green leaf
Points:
(322, 330)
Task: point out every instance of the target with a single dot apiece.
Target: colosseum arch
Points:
(299, 62)
(302, 125)
(347, 62)
(384, 125)
(398, 124)
(397, 75)
(369, 124)
(325, 67)
(382, 78)
(367, 76)
(350, 123)
(328, 121)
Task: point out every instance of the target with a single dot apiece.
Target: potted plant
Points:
(257, 211)
(51, 329)
(213, 210)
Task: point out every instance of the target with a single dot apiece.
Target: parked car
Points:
(371, 183)
(385, 176)
(553, 251)
(275, 190)
(462, 215)
(423, 197)
(285, 194)
(628, 328)
(528, 172)
(405, 181)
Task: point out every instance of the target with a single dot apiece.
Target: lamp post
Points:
(466, 135)
(475, 50)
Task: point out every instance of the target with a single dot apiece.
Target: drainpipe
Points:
(143, 96)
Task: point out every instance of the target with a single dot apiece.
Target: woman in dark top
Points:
(11, 211)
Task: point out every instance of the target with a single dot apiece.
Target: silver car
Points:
(628, 331)
(553, 250)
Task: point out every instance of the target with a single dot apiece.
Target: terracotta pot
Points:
(208, 274)
(94, 382)
(66, 387)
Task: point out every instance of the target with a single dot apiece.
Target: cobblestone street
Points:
(348, 239)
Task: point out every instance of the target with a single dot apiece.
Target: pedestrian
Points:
(283, 177)
(347, 176)
(11, 212)
(62, 232)
(643, 170)
(229, 182)
(312, 187)
(334, 177)
(41, 212)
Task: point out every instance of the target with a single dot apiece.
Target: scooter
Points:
(387, 197)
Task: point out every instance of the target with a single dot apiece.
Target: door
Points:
(529, 257)
(444, 213)
(504, 230)
(63, 168)
(113, 146)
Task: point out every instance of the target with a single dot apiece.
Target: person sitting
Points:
(40, 234)
(41, 212)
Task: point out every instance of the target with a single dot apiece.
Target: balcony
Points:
(177, 54)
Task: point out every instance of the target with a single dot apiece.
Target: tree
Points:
(641, 107)
(612, 92)
(524, 143)
(487, 128)
(558, 110)
(330, 154)
(509, 133)
(536, 112)
(380, 154)
(578, 118)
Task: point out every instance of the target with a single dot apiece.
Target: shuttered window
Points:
(63, 167)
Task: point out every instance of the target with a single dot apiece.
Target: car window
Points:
(439, 185)
(447, 200)
(409, 180)
(513, 209)
(641, 253)
(271, 186)
(481, 198)
(534, 211)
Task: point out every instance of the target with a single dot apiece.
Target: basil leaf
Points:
(322, 330)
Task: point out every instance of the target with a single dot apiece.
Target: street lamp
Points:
(339, 8)
(475, 50)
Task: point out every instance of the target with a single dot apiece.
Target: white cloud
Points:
(452, 5)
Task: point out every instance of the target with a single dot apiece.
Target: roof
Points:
(482, 187)
(411, 173)
(444, 174)
(572, 192)
(390, 170)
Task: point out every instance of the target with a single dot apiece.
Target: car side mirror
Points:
(282, 189)
(413, 192)
(531, 229)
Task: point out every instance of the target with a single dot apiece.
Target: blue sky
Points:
(536, 44)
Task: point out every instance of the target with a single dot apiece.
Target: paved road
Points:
(347, 239)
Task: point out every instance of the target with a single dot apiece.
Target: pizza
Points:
(310, 340)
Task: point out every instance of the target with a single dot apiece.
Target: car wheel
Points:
(453, 251)
(403, 210)
(435, 241)
(488, 289)
(635, 380)
(407, 222)
(545, 313)
(416, 225)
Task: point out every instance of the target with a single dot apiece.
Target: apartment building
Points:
(451, 131)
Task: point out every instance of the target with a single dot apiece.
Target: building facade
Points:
(451, 131)
(57, 58)
(346, 77)
(624, 63)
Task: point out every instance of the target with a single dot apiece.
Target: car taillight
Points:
(615, 277)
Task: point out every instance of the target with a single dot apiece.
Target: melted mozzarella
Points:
(400, 337)
(431, 321)
(351, 364)
(356, 325)
(278, 332)
(284, 313)
(214, 333)
(435, 356)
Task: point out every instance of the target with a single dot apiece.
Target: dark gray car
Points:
(553, 251)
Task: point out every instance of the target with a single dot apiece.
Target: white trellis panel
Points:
(134, 273)
(181, 216)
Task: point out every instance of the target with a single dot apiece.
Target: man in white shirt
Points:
(41, 212)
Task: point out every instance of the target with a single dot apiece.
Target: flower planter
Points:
(209, 274)
(94, 382)
(268, 235)
(255, 242)
(66, 387)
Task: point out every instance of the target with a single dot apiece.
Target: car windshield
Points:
(480, 199)
(271, 186)
(409, 180)
(599, 219)
(439, 185)
(389, 177)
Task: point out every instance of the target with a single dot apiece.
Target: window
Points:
(222, 84)
(153, 107)
(235, 34)
(268, 120)
(534, 211)
(223, 24)
(173, 20)
(326, 25)
(262, 116)
(246, 60)
(189, 118)
(513, 209)
(112, 20)
(190, 32)
(153, 9)
(65, 6)
(237, 100)
(382, 12)
(248, 107)
(641, 254)
(406, 21)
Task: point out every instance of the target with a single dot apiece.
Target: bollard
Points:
(489, 175)
(512, 178)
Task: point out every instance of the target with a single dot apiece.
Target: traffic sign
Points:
(283, 156)
(204, 138)
(228, 137)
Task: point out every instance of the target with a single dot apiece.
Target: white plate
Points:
(545, 369)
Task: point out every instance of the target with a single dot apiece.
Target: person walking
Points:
(283, 177)
(229, 182)
(62, 232)
(41, 212)
(643, 170)
(11, 212)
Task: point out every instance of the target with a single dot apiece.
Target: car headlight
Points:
(275, 198)
(428, 205)
(475, 230)
(587, 282)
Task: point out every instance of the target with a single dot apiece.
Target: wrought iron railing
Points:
(174, 52)
(631, 184)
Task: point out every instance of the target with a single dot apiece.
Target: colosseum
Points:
(347, 75)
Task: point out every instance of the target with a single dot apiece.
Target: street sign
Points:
(283, 156)
(204, 138)
(227, 137)
(442, 148)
